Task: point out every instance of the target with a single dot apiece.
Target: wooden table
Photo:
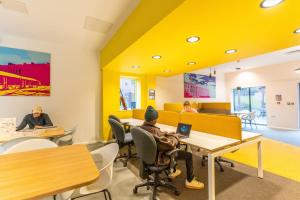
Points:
(41, 173)
(214, 146)
(42, 133)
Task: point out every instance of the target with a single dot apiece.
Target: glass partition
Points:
(251, 99)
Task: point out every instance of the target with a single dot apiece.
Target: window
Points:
(251, 99)
(129, 93)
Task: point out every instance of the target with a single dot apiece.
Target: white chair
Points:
(26, 144)
(249, 118)
(67, 138)
(104, 158)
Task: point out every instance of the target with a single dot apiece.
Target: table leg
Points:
(211, 177)
(260, 171)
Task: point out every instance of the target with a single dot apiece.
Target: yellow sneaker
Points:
(194, 184)
(175, 174)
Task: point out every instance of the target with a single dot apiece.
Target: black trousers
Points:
(188, 157)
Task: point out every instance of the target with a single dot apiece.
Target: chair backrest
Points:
(71, 131)
(108, 154)
(67, 138)
(252, 115)
(104, 158)
(27, 144)
(118, 130)
(114, 117)
(145, 143)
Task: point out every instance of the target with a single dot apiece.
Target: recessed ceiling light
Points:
(167, 70)
(192, 63)
(135, 67)
(193, 39)
(156, 57)
(231, 51)
(297, 71)
(297, 31)
(270, 3)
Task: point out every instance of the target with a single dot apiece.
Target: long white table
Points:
(214, 146)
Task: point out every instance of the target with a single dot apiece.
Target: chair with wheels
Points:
(104, 158)
(218, 161)
(125, 124)
(123, 140)
(146, 147)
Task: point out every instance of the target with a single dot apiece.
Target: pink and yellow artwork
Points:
(199, 86)
(24, 73)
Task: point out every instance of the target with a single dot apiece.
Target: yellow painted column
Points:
(111, 97)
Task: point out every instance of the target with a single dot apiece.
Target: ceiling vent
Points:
(97, 25)
(295, 51)
(14, 5)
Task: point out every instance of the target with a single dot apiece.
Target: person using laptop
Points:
(169, 141)
(37, 119)
(188, 108)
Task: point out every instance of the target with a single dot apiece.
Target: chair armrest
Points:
(170, 153)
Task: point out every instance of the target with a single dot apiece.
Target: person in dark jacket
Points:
(37, 119)
(168, 141)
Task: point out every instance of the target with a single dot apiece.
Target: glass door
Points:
(251, 99)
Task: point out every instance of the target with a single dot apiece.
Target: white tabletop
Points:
(205, 141)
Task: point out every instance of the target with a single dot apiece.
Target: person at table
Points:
(37, 119)
(167, 142)
(188, 108)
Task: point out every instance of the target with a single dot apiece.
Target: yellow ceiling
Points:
(221, 25)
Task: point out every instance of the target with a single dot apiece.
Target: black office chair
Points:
(123, 139)
(218, 161)
(125, 124)
(147, 152)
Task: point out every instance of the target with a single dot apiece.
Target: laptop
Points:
(184, 130)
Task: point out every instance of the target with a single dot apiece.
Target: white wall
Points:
(279, 79)
(171, 89)
(75, 88)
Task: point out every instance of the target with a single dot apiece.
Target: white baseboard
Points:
(283, 128)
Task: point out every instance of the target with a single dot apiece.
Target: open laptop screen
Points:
(184, 129)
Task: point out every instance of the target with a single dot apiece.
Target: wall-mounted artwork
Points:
(151, 94)
(24, 73)
(199, 86)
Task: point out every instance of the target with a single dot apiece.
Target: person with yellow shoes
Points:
(167, 142)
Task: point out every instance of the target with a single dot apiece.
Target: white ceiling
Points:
(62, 21)
(271, 58)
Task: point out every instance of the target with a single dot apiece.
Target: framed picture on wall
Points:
(278, 97)
(199, 86)
(24, 73)
(151, 94)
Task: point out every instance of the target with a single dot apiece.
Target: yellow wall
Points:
(111, 97)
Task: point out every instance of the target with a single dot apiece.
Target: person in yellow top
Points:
(188, 108)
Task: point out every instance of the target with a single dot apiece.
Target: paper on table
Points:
(7, 126)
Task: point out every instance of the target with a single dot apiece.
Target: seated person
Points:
(37, 119)
(188, 108)
(167, 142)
